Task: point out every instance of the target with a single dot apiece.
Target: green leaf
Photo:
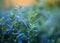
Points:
(12, 16)
(2, 19)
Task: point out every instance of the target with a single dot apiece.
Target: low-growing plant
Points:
(37, 24)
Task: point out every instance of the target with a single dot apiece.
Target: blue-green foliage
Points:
(37, 24)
